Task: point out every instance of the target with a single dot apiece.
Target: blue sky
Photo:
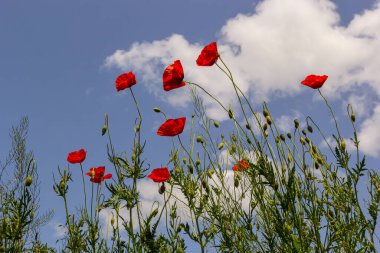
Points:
(59, 60)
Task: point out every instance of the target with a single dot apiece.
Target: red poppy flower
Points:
(172, 127)
(97, 174)
(159, 175)
(240, 166)
(126, 80)
(173, 76)
(314, 81)
(208, 56)
(77, 156)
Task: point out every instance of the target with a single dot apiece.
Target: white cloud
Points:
(270, 51)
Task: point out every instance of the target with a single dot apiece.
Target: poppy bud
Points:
(308, 140)
(199, 139)
(156, 109)
(197, 162)
(190, 167)
(304, 132)
(155, 212)
(266, 133)
(137, 129)
(310, 129)
(184, 160)
(289, 135)
(162, 189)
(236, 182)
(221, 145)
(265, 126)
(249, 141)
(230, 113)
(216, 124)
(265, 113)
(133, 157)
(112, 221)
(232, 150)
(104, 129)
(233, 138)
(32, 215)
(28, 181)
(210, 172)
(178, 170)
(204, 183)
(248, 126)
(277, 139)
(282, 137)
(353, 117)
(296, 123)
(302, 140)
(269, 120)
(343, 145)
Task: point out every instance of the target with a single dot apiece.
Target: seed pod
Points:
(221, 145)
(184, 160)
(310, 129)
(296, 123)
(156, 109)
(266, 133)
(216, 124)
(282, 137)
(304, 132)
(28, 181)
(289, 135)
(197, 162)
(199, 139)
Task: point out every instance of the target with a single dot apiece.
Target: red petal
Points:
(172, 127)
(159, 175)
(125, 81)
(314, 81)
(173, 76)
(208, 56)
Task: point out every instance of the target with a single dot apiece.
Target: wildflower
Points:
(159, 175)
(172, 127)
(314, 81)
(208, 56)
(126, 80)
(97, 174)
(173, 76)
(76, 156)
(240, 166)
(28, 181)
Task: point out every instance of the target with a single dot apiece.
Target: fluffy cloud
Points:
(269, 51)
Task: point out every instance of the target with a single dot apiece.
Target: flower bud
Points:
(133, 157)
(289, 135)
(221, 145)
(199, 139)
(184, 160)
(230, 113)
(266, 133)
(162, 189)
(282, 137)
(155, 212)
(310, 129)
(269, 120)
(112, 221)
(249, 141)
(232, 150)
(190, 167)
(265, 113)
(216, 124)
(104, 129)
(236, 182)
(343, 145)
(296, 123)
(248, 126)
(197, 162)
(28, 181)
(302, 140)
(353, 117)
(177, 170)
(156, 109)
(137, 129)
(304, 132)
(210, 172)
